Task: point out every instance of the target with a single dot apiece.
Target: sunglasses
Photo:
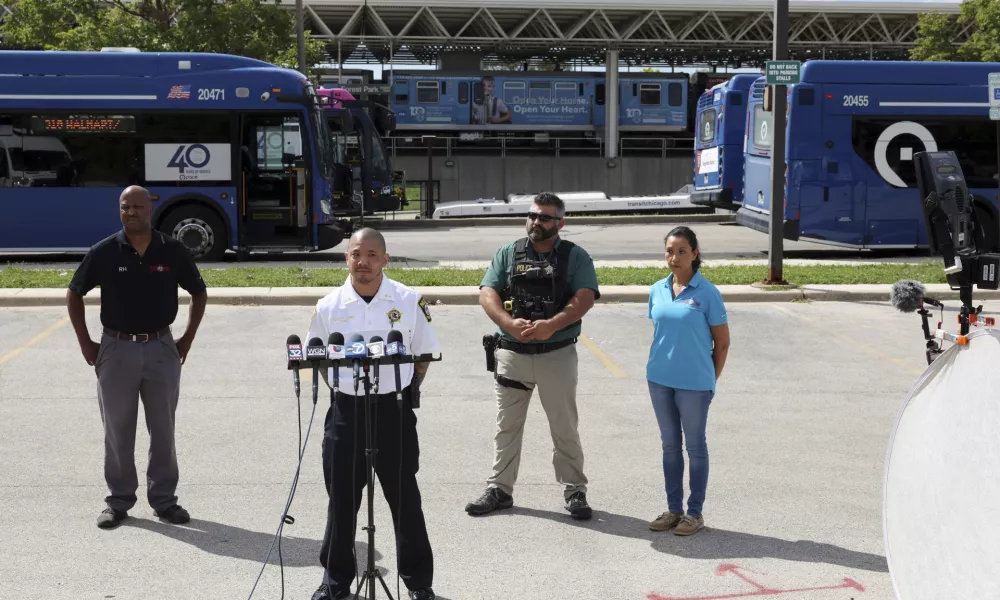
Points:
(544, 218)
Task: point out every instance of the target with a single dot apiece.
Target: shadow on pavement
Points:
(235, 542)
(718, 544)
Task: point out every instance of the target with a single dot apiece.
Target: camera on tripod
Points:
(953, 230)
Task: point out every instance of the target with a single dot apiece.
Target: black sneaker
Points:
(424, 594)
(578, 507)
(111, 518)
(492, 499)
(175, 514)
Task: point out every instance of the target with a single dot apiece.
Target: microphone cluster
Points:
(355, 351)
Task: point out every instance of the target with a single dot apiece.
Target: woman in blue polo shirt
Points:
(688, 352)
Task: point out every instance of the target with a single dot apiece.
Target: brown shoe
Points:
(689, 524)
(666, 521)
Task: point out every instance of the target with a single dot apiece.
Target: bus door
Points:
(275, 208)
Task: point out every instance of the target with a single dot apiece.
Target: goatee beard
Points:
(538, 234)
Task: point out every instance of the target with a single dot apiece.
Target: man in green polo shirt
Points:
(537, 290)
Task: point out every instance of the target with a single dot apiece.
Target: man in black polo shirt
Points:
(138, 270)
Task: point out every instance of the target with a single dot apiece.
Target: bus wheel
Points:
(987, 235)
(199, 229)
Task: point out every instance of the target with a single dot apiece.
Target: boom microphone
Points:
(395, 348)
(293, 354)
(908, 296)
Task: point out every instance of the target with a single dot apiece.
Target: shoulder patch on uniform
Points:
(425, 306)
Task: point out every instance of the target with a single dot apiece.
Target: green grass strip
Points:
(928, 272)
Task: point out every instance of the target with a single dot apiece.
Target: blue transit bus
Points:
(236, 153)
(852, 130)
(718, 143)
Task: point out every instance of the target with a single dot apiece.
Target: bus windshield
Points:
(324, 138)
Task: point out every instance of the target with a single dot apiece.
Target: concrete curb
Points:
(401, 224)
(467, 295)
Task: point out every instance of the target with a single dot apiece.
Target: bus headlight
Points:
(327, 207)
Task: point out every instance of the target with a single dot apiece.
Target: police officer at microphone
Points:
(537, 290)
(370, 304)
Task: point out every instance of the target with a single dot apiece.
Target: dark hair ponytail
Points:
(691, 238)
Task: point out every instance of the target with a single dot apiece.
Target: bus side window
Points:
(599, 92)
(649, 94)
(463, 92)
(4, 169)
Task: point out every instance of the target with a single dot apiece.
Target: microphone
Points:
(376, 350)
(356, 350)
(335, 352)
(293, 354)
(315, 353)
(395, 349)
(908, 295)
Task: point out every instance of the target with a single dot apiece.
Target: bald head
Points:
(136, 193)
(367, 234)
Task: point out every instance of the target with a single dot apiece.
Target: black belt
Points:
(535, 348)
(138, 337)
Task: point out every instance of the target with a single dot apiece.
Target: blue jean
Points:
(686, 410)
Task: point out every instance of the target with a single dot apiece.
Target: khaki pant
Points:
(555, 376)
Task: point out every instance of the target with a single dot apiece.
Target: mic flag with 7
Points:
(355, 350)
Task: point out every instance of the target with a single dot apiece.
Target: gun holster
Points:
(490, 343)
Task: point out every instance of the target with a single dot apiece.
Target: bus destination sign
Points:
(82, 124)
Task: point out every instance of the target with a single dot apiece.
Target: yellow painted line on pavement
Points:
(38, 338)
(609, 364)
(867, 348)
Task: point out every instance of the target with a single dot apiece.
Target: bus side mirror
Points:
(768, 98)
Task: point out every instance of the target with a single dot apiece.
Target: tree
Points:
(937, 33)
(260, 29)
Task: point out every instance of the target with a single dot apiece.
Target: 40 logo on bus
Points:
(194, 156)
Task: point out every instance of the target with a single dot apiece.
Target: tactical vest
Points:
(537, 289)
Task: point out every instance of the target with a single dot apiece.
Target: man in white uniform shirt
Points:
(370, 304)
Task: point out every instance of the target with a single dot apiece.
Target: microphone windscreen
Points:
(907, 295)
(293, 339)
(355, 338)
(395, 336)
(375, 338)
(315, 342)
(336, 339)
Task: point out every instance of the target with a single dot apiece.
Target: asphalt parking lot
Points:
(797, 438)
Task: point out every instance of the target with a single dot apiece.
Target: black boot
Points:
(492, 499)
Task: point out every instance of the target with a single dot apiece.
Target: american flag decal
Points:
(180, 92)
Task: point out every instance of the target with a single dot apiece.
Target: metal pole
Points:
(429, 203)
(611, 103)
(774, 274)
(300, 33)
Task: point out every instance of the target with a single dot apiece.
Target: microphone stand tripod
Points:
(371, 573)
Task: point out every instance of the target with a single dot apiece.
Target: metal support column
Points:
(774, 267)
(300, 34)
(611, 105)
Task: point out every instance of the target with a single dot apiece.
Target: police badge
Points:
(394, 316)
(423, 304)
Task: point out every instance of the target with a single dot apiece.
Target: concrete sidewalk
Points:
(459, 295)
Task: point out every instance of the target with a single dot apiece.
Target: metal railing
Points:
(447, 147)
